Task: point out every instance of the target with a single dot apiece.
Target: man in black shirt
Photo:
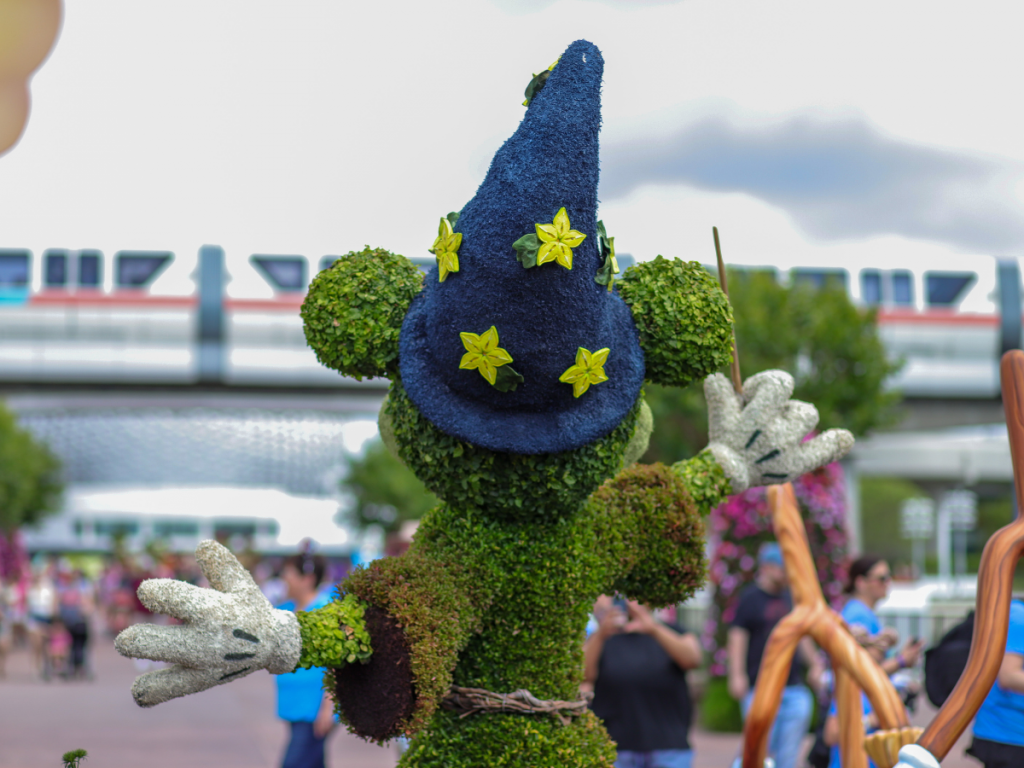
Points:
(638, 665)
(761, 607)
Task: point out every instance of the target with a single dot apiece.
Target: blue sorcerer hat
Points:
(513, 345)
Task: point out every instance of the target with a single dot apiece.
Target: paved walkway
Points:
(232, 726)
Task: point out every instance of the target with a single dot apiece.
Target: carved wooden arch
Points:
(856, 670)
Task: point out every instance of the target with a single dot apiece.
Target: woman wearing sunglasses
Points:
(867, 585)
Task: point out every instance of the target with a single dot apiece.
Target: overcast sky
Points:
(808, 132)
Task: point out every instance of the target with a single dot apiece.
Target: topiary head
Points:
(516, 356)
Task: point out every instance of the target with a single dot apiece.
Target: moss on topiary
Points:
(705, 479)
(666, 570)
(334, 635)
(516, 486)
(354, 310)
(511, 740)
(436, 604)
(684, 319)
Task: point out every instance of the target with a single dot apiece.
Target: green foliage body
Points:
(30, 485)
(495, 590)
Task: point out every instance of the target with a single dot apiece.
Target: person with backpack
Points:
(999, 725)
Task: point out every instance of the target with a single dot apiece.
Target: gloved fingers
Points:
(824, 449)
(162, 685)
(184, 645)
(183, 601)
(723, 405)
(222, 568)
(765, 394)
(796, 420)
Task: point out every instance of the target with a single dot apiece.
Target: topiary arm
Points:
(334, 635)
(420, 614)
(652, 534)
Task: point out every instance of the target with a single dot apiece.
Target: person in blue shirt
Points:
(999, 724)
(867, 585)
(301, 701)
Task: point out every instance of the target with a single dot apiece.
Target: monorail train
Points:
(166, 317)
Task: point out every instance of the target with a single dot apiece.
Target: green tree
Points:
(386, 493)
(829, 345)
(30, 484)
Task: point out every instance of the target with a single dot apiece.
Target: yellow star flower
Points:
(589, 369)
(558, 240)
(484, 354)
(446, 248)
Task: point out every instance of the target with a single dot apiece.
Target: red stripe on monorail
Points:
(935, 317)
(116, 299)
(277, 304)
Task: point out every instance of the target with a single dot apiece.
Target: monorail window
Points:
(286, 273)
(90, 269)
(167, 528)
(225, 529)
(327, 262)
(871, 287)
(55, 269)
(819, 278)
(14, 269)
(902, 288)
(115, 527)
(944, 289)
(139, 268)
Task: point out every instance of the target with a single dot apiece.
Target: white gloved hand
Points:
(757, 438)
(228, 632)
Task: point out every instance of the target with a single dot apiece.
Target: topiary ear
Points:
(684, 319)
(354, 310)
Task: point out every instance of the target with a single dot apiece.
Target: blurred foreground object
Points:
(28, 29)
(811, 615)
(995, 587)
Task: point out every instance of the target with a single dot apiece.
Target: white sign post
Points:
(917, 523)
(959, 508)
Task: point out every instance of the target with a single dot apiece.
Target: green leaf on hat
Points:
(508, 379)
(537, 83)
(453, 218)
(526, 250)
(610, 267)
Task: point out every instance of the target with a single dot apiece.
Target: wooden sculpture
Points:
(28, 29)
(811, 615)
(995, 585)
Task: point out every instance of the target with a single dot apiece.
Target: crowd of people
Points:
(636, 659)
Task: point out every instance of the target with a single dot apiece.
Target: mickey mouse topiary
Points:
(515, 396)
